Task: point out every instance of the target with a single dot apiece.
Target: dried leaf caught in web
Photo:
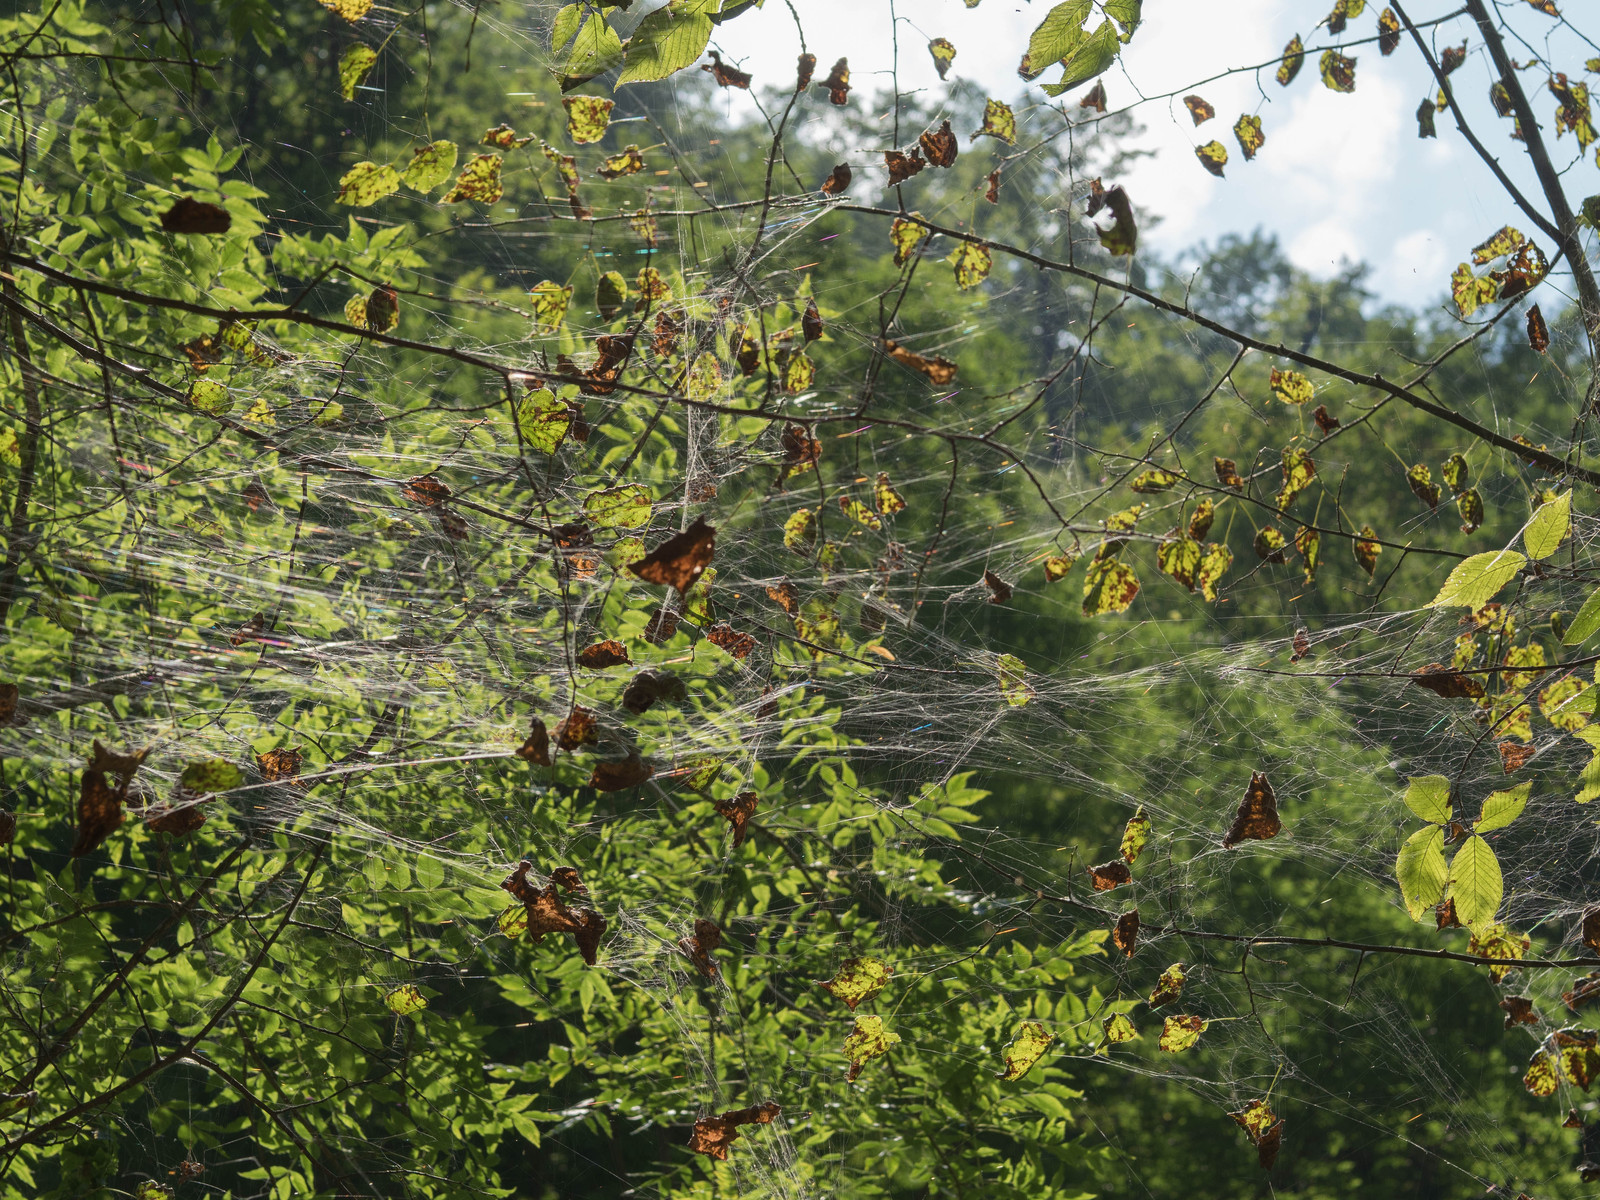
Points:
(1538, 331)
(621, 774)
(858, 980)
(999, 589)
(545, 912)
(536, 747)
(888, 500)
(1228, 473)
(1095, 97)
(1367, 549)
(1213, 157)
(587, 117)
(867, 1041)
(902, 167)
(1451, 684)
(1179, 1033)
(1109, 875)
(177, 820)
(1135, 836)
(1338, 71)
(1513, 755)
(504, 137)
(836, 183)
(1580, 1060)
(1302, 646)
(992, 193)
(425, 490)
(1026, 1049)
(838, 82)
(785, 596)
(188, 215)
(1388, 32)
(859, 512)
(479, 181)
(725, 75)
(739, 645)
(998, 122)
(1199, 109)
(577, 728)
(1122, 237)
(1452, 57)
(713, 1135)
(103, 790)
(1264, 1129)
(738, 812)
(1294, 57)
(599, 655)
(698, 947)
(679, 560)
(281, 765)
(1257, 816)
(1125, 935)
(939, 371)
(1247, 130)
(1519, 1011)
(804, 70)
(944, 53)
(940, 146)
(1541, 1078)
(1326, 422)
(1169, 987)
(1012, 676)
(649, 687)
(1585, 990)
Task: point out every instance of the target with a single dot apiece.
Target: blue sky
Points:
(1342, 176)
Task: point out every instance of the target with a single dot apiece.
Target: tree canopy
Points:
(560, 642)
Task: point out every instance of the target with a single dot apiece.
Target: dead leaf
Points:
(725, 75)
(679, 560)
(713, 1135)
(600, 655)
(835, 184)
(735, 643)
(649, 687)
(1125, 936)
(1257, 818)
(101, 797)
(939, 146)
(536, 748)
(902, 167)
(577, 728)
(838, 82)
(1451, 684)
(738, 812)
(1514, 754)
(940, 371)
(707, 937)
(619, 776)
(1109, 875)
(999, 589)
(189, 215)
(1519, 1011)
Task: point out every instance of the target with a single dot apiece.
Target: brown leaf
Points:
(577, 728)
(1451, 684)
(1267, 1148)
(1110, 875)
(999, 589)
(569, 879)
(713, 1135)
(9, 695)
(1257, 818)
(619, 776)
(547, 913)
(1199, 109)
(1538, 331)
(811, 321)
(805, 69)
(1585, 990)
(1519, 1011)
(650, 686)
(940, 146)
(591, 926)
(100, 797)
(738, 812)
(177, 820)
(725, 75)
(1125, 936)
(992, 195)
(940, 371)
(600, 655)
(1444, 916)
(383, 309)
(1573, 1121)
(679, 560)
(785, 596)
(661, 627)
(768, 707)
(1591, 929)
(8, 826)
(667, 329)
(1325, 421)
(250, 631)
(800, 449)
(902, 166)
(280, 766)
(1095, 98)
(835, 184)
(189, 215)
(735, 643)
(838, 82)
(1227, 473)
(707, 937)
(536, 748)
(254, 496)
(1514, 754)
(1302, 646)
(425, 490)
(453, 526)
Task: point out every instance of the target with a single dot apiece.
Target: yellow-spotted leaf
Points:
(1299, 469)
(1157, 479)
(625, 507)
(1118, 1029)
(858, 980)
(867, 1041)
(587, 117)
(998, 122)
(550, 301)
(353, 67)
(1180, 1032)
(1247, 130)
(206, 395)
(1135, 835)
(1338, 71)
(906, 237)
(704, 379)
(404, 1001)
(542, 420)
(1294, 57)
(430, 166)
(1028, 1047)
(1213, 156)
(1214, 564)
(478, 181)
(1109, 587)
(366, 183)
(971, 262)
(1169, 987)
(1291, 387)
(885, 497)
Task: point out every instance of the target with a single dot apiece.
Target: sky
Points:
(1341, 177)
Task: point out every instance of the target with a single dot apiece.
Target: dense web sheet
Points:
(376, 577)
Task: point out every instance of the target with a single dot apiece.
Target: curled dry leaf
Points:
(1109, 875)
(1325, 422)
(804, 70)
(1169, 987)
(1514, 755)
(735, 643)
(1449, 683)
(1125, 936)
(188, 215)
(536, 747)
(1199, 109)
(578, 728)
(679, 560)
(250, 631)
(1538, 331)
(600, 655)
(8, 826)
(999, 589)
(940, 146)
(620, 775)
(661, 627)
(9, 695)
(811, 321)
(177, 820)
(649, 687)
(697, 948)
(785, 596)
(425, 490)
(545, 912)
(1257, 816)
(902, 167)
(713, 1135)
(103, 790)
(838, 83)
(1095, 97)
(738, 812)
(281, 765)
(1264, 1128)
(1519, 1011)
(835, 184)
(940, 371)
(725, 75)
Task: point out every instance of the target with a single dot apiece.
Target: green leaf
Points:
(1476, 580)
(1126, 13)
(1544, 534)
(626, 507)
(1057, 35)
(1097, 52)
(404, 1001)
(1585, 623)
(704, 379)
(211, 398)
(1421, 870)
(353, 68)
(429, 872)
(595, 49)
(1502, 808)
(1012, 673)
(1590, 776)
(1476, 885)
(668, 40)
(211, 775)
(1429, 797)
(542, 420)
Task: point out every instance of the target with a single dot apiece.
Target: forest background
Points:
(351, 581)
